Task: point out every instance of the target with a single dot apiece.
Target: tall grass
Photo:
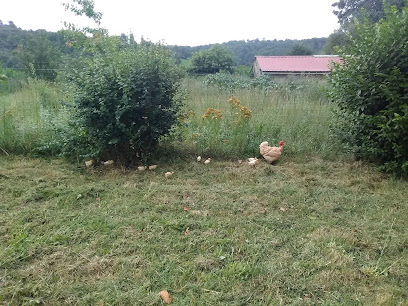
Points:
(15, 80)
(26, 114)
(298, 113)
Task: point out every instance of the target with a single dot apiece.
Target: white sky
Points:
(188, 22)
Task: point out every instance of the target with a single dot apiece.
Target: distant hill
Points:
(11, 37)
(245, 50)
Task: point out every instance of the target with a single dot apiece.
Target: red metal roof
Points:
(310, 63)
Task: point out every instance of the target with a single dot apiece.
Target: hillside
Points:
(245, 50)
(11, 37)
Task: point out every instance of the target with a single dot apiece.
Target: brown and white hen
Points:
(271, 154)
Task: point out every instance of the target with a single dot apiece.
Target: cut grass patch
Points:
(315, 231)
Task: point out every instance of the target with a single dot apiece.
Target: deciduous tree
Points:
(346, 10)
(83, 8)
(335, 40)
(299, 49)
(213, 60)
(39, 58)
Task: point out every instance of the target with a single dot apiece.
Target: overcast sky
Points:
(188, 22)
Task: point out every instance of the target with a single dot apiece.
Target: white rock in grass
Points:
(253, 163)
(89, 163)
(168, 174)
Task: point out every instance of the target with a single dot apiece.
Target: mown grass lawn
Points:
(302, 231)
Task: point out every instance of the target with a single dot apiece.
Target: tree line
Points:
(245, 50)
(40, 49)
(21, 48)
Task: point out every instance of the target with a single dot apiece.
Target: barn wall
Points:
(256, 69)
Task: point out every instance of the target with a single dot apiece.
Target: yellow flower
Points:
(234, 102)
(245, 112)
(212, 113)
(243, 115)
(185, 117)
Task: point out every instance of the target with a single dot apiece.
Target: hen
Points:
(271, 154)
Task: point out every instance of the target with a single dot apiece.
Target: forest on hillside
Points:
(245, 50)
(27, 50)
(20, 47)
(14, 41)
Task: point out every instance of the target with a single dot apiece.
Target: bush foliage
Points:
(371, 88)
(213, 60)
(127, 97)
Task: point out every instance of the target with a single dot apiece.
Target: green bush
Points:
(213, 60)
(243, 70)
(226, 81)
(65, 136)
(371, 88)
(126, 98)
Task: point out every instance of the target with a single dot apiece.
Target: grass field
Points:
(316, 228)
(305, 231)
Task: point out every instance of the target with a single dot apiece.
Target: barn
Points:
(294, 65)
